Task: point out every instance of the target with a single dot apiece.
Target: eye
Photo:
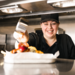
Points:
(54, 23)
(45, 23)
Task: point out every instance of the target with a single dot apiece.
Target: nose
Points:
(50, 25)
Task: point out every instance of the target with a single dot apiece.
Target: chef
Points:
(49, 41)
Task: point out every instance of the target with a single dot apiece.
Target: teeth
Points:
(49, 31)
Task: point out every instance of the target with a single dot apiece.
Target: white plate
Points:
(30, 61)
(29, 57)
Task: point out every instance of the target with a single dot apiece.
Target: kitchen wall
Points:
(66, 22)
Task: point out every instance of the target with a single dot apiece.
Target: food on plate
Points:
(24, 47)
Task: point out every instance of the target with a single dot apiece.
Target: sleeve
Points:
(33, 39)
(71, 47)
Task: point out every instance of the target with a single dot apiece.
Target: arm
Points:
(31, 38)
(71, 48)
(66, 47)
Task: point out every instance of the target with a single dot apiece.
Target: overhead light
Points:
(25, 1)
(63, 3)
(2, 0)
(53, 1)
(7, 7)
(11, 9)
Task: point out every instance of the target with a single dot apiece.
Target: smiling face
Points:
(49, 29)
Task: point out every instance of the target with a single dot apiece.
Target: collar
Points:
(44, 41)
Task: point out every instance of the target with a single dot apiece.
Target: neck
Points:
(51, 41)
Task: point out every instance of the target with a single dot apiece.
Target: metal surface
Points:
(60, 67)
(32, 8)
(38, 13)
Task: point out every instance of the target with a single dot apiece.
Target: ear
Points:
(58, 24)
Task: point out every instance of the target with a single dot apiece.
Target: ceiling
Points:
(31, 9)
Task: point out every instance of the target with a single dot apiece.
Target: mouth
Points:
(50, 31)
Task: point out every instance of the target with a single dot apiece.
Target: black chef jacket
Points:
(64, 45)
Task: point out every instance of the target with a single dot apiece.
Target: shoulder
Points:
(35, 34)
(32, 33)
(64, 37)
(34, 39)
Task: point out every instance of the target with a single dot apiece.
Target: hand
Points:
(20, 36)
(17, 45)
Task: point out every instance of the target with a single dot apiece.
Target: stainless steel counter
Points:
(60, 67)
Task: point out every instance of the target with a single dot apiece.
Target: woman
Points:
(49, 41)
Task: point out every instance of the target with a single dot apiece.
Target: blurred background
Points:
(12, 10)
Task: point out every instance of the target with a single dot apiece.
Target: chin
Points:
(50, 36)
